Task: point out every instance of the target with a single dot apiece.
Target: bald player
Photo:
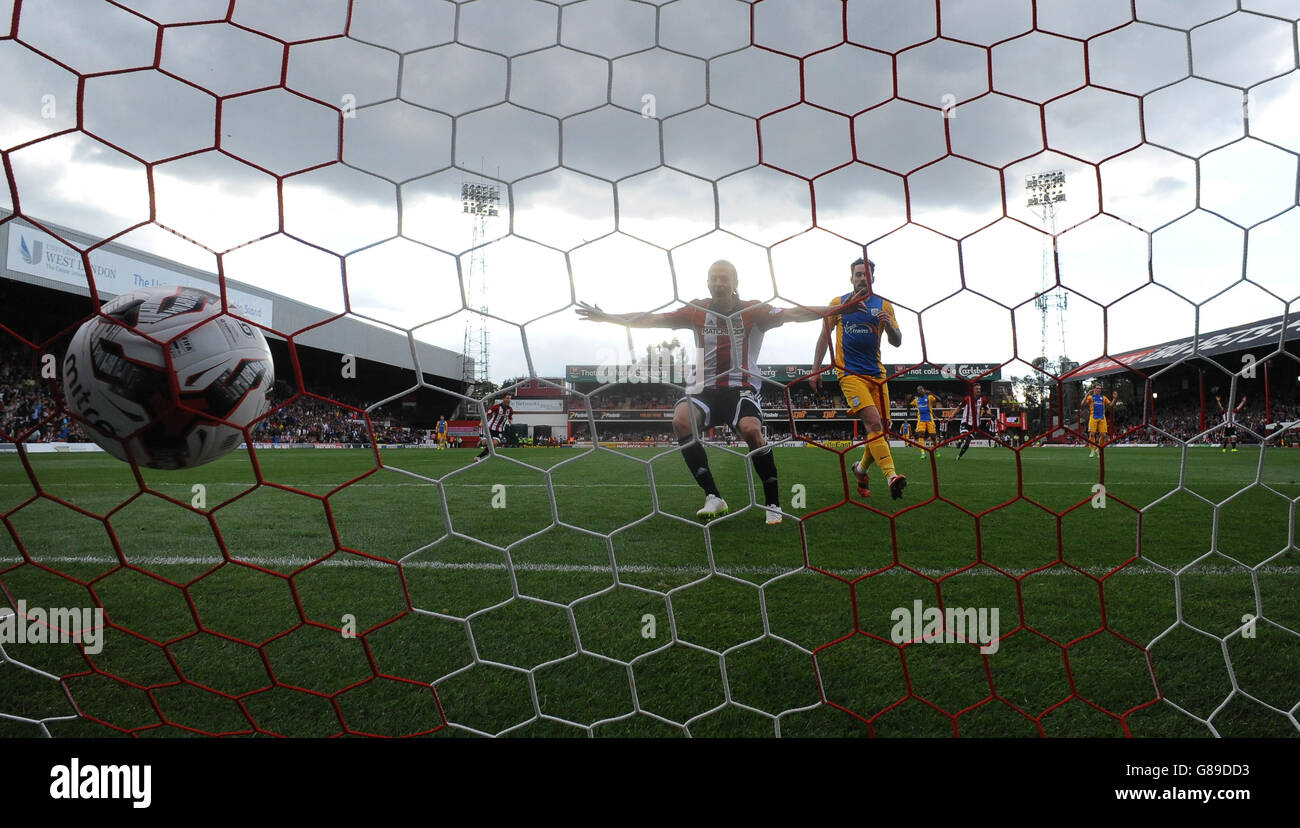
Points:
(729, 334)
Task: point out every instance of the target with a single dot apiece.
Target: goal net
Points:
(1084, 216)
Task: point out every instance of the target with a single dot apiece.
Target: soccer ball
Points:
(172, 411)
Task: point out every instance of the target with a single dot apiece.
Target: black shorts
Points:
(725, 406)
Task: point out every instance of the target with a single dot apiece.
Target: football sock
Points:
(765, 468)
(965, 444)
(878, 445)
(865, 463)
(698, 463)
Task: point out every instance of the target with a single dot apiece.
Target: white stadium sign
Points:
(37, 253)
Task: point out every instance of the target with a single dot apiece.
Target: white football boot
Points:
(714, 507)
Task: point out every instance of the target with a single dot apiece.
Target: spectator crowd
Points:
(27, 407)
(312, 420)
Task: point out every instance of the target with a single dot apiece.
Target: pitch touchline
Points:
(282, 562)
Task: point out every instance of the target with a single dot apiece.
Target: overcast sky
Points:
(626, 138)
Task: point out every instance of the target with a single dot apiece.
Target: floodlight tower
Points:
(480, 201)
(1043, 192)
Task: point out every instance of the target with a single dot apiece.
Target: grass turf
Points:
(553, 592)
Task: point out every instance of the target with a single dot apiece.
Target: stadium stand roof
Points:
(1264, 333)
(38, 258)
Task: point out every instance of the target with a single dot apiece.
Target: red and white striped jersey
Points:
(498, 414)
(729, 343)
(965, 414)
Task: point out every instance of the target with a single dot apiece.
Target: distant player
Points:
(973, 407)
(441, 431)
(1096, 405)
(499, 415)
(1230, 423)
(923, 401)
(729, 331)
(862, 374)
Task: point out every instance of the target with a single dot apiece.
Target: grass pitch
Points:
(556, 592)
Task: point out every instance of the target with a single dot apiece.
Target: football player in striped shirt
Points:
(728, 336)
(858, 331)
(498, 416)
(973, 408)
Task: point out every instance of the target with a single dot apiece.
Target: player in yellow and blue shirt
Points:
(442, 432)
(924, 402)
(862, 374)
(1095, 405)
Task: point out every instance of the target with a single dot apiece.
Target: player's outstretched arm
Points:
(810, 314)
(592, 313)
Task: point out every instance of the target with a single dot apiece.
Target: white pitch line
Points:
(284, 562)
(457, 485)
